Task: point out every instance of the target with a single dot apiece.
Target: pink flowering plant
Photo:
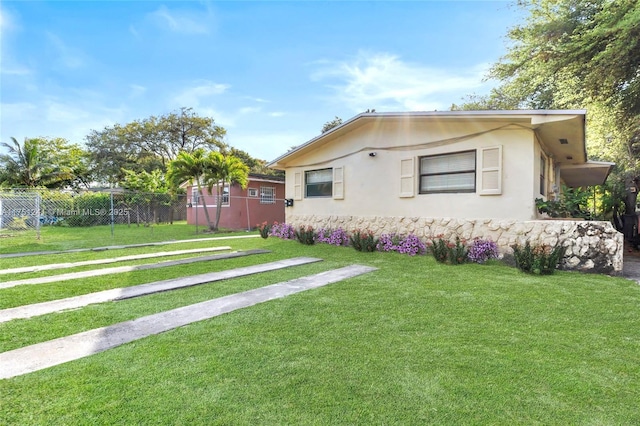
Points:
(306, 235)
(264, 229)
(363, 241)
(482, 250)
(445, 251)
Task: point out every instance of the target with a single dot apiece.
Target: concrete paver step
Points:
(122, 269)
(47, 354)
(66, 265)
(36, 309)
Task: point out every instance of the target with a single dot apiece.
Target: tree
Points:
(224, 170)
(148, 189)
(191, 167)
(43, 162)
(151, 143)
(578, 54)
(211, 169)
(331, 124)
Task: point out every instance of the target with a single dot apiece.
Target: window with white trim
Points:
(194, 195)
(267, 195)
(455, 172)
(318, 183)
(252, 192)
(225, 195)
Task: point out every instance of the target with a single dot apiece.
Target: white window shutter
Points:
(491, 171)
(407, 178)
(297, 186)
(338, 183)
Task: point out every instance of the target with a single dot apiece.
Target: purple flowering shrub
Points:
(482, 250)
(388, 242)
(410, 244)
(337, 237)
(283, 230)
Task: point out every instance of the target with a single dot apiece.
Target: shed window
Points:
(267, 195)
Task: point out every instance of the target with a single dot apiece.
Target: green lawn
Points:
(414, 342)
(63, 238)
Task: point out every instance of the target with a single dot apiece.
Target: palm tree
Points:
(224, 170)
(190, 167)
(24, 165)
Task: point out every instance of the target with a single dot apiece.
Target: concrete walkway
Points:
(161, 243)
(122, 269)
(36, 309)
(47, 354)
(67, 265)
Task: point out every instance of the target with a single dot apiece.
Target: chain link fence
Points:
(32, 209)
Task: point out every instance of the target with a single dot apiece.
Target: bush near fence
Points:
(29, 209)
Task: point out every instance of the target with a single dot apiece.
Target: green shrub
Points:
(447, 252)
(306, 235)
(265, 229)
(364, 241)
(540, 260)
(439, 249)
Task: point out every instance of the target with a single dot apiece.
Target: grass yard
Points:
(64, 238)
(415, 342)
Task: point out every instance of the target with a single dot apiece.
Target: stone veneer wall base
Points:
(591, 246)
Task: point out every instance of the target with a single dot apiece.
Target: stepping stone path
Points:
(51, 266)
(65, 349)
(36, 309)
(121, 269)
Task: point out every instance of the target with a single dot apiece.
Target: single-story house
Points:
(408, 171)
(262, 201)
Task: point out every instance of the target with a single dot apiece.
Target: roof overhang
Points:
(586, 174)
(560, 131)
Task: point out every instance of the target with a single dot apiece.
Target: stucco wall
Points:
(372, 183)
(591, 246)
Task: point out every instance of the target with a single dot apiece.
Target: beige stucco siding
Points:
(372, 184)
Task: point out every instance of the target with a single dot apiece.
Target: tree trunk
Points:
(206, 212)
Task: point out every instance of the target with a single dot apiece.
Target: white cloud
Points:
(249, 110)
(136, 90)
(385, 82)
(182, 21)
(67, 56)
(192, 96)
(7, 21)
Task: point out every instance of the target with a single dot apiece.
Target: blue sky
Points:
(271, 73)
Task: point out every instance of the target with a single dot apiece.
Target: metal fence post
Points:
(36, 214)
(111, 211)
(197, 201)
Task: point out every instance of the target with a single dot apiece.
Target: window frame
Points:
(543, 175)
(465, 171)
(327, 184)
(271, 199)
(252, 192)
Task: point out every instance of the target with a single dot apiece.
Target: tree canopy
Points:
(150, 143)
(44, 162)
